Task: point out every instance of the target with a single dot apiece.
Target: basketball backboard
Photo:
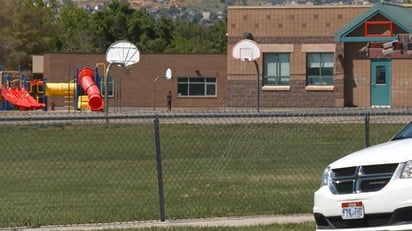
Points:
(123, 53)
(246, 50)
(168, 74)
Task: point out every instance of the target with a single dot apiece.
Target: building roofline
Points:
(305, 6)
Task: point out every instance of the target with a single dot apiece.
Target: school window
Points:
(110, 86)
(319, 69)
(196, 86)
(276, 69)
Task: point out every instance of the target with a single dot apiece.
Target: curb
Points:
(201, 222)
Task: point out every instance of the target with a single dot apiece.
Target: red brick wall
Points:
(296, 26)
(135, 85)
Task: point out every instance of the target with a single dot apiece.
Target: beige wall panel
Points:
(286, 48)
(361, 83)
(38, 64)
(318, 47)
(402, 83)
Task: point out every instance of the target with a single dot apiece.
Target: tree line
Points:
(32, 27)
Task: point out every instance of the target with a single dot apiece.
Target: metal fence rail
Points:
(59, 168)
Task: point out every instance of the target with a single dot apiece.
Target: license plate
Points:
(352, 210)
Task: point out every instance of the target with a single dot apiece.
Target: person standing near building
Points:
(169, 101)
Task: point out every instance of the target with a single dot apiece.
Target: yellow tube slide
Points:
(60, 89)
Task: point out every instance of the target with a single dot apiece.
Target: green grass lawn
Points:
(87, 173)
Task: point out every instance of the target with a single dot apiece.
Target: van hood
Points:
(386, 153)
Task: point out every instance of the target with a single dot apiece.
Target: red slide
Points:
(28, 99)
(89, 86)
(21, 98)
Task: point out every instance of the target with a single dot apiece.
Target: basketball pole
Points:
(257, 83)
(257, 86)
(122, 53)
(106, 96)
(247, 50)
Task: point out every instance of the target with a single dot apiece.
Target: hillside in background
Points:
(206, 5)
(197, 11)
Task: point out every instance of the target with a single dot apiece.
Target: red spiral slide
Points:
(89, 86)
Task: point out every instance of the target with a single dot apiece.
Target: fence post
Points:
(367, 118)
(159, 168)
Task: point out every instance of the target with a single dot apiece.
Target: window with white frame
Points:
(110, 86)
(196, 86)
(276, 69)
(319, 69)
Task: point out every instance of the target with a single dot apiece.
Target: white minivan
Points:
(370, 189)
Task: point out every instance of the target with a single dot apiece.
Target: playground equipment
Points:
(13, 92)
(17, 94)
(91, 89)
(21, 98)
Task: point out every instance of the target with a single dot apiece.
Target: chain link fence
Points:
(61, 169)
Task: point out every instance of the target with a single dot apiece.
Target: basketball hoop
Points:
(246, 50)
(122, 53)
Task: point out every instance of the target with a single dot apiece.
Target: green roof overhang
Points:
(365, 39)
(399, 15)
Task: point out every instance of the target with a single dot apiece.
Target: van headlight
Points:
(407, 170)
(326, 176)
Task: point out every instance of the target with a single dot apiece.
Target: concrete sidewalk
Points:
(202, 222)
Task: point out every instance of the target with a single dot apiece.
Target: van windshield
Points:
(404, 133)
